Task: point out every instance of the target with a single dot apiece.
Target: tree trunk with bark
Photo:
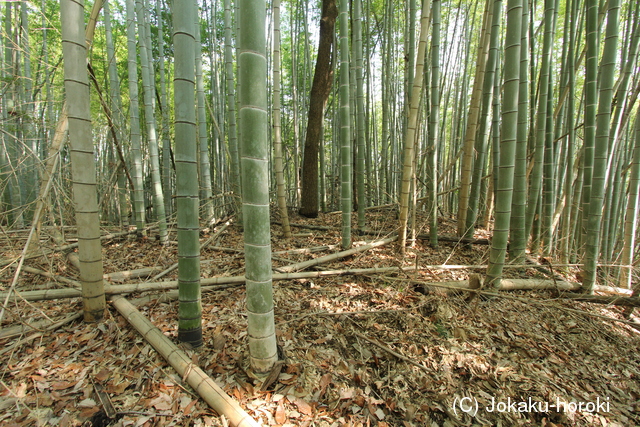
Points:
(322, 82)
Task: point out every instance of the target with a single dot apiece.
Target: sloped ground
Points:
(357, 351)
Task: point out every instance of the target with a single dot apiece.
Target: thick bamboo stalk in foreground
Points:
(195, 377)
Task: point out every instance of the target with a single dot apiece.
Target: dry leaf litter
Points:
(357, 350)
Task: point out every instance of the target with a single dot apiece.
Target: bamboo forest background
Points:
(571, 169)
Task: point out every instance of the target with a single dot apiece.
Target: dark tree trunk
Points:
(320, 89)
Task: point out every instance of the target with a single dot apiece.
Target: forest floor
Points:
(372, 350)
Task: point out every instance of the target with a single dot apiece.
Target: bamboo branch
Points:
(391, 352)
(51, 327)
(53, 157)
(64, 248)
(112, 127)
(214, 237)
(23, 255)
(37, 326)
(102, 238)
(309, 227)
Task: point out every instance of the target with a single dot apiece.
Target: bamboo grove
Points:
(517, 116)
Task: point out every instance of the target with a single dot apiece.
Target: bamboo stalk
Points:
(194, 376)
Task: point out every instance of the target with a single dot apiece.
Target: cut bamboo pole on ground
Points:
(118, 276)
(194, 376)
(53, 276)
(310, 226)
(333, 257)
(526, 284)
(123, 276)
(214, 283)
(506, 285)
(211, 283)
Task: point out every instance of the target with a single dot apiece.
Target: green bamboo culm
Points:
(631, 219)
(167, 188)
(148, 101)
(542, 114)
(345, 128)
(134, 119)
(434, 125)
(360, 116)
(518, 236)
(278, 163)
(254, 167)
(83, 170)
(187, 200)
(408, 155)
(602, 149)
(234, 160)
(504, 190)
(203, 136)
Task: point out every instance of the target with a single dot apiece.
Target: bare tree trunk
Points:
(322, 82)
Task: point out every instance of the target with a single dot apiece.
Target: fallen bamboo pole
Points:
(48, 294)
(122, 276)
(55, 277)
(525, 284)
(309, 226)
(505, 284)
(213, 283)
(606, 300)
(195, 377)
(328, 258)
